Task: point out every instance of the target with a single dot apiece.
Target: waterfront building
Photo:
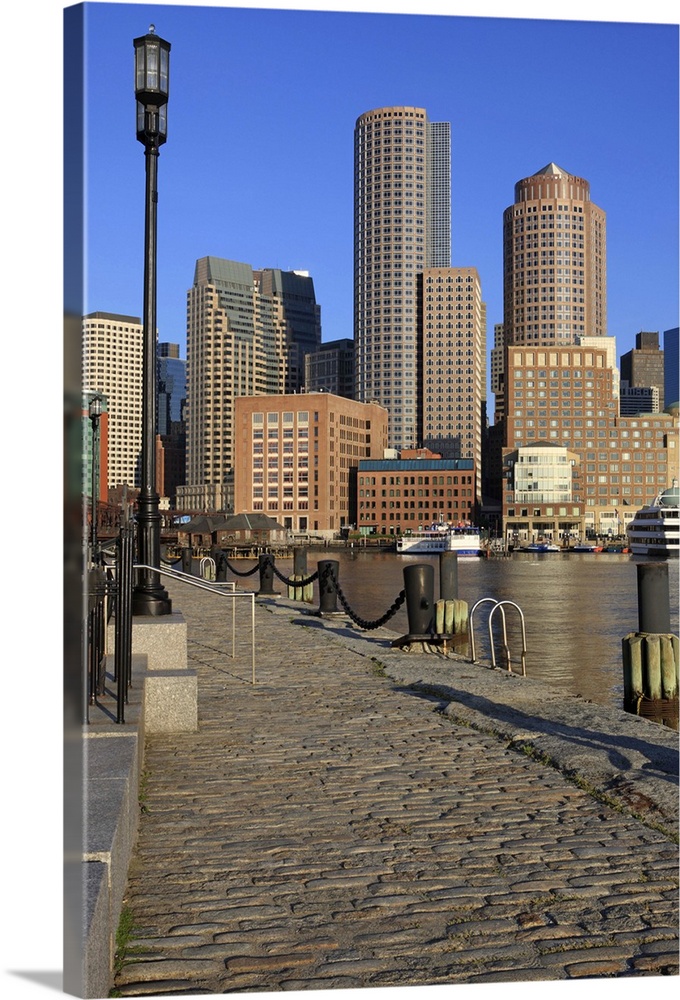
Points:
(402, 225)
(453, 363)
(554, 261)
(671, 367)
(247, 334)
(331, 368)
(296, 457)
(564, 396)
(643, 366)
(542, 498)
(112, 366)
(414, 491)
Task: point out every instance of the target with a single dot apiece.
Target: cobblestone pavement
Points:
(328, 828)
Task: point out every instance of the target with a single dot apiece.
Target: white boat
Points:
(463, 539)
(542, 547)
(655, 529)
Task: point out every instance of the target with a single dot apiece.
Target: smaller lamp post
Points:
(95, 412)
(152, 79)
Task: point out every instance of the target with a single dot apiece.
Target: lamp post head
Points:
(95, 408)
(152, 87)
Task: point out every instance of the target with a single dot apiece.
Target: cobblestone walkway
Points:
(327, 828)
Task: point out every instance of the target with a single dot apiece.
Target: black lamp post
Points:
(95, 412)
(152, 77)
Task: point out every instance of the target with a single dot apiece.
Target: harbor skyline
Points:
(270, 182)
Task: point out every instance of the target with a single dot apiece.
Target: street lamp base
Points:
(148, 604)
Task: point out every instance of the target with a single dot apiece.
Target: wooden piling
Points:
(651, 667)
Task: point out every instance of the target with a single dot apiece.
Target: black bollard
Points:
(654, 608)
(186, 560)
(419, 587)
(448, 576)
(221, 565)
(328, 594)
(266, 563)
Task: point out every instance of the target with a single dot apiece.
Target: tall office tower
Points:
(401, 226)
(643, 366)
(554, 261)
(112, 365)
(331, 368)
(671, 367)
(453, 362)
(171, 387)
(170, 416)
(247, 332)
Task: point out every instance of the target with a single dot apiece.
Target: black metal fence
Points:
(109, 595)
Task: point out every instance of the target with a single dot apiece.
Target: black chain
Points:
(289, 580)
(361, 622)
(248, 572)
(328, 571)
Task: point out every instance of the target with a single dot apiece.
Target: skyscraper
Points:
(554, 261)
(247, 334)
(402, 194)
(453, 363)
(643, 366)
(112, 365)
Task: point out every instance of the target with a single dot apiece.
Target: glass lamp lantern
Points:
(95, 408)
(152, 81)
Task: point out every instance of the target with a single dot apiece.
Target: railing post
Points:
(329, 573)
(300, 562)
(448, 576)
(186, 559)
(654, 609)
(123, 651)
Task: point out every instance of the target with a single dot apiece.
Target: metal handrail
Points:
(500, 605)
(224, 589)
(207, 568)
(496, 605)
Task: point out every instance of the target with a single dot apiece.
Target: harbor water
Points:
(577, 608)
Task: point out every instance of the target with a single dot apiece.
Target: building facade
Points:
(296, 457)
(410, 493)
(643, 366)
(247, 334)
(638, 399)
(331, 368)
(112, 366)
(453, 363)
(564, 396)
(401, 226)
(554, 261)
(542, 499)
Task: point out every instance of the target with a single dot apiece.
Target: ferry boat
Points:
(655, 529)
(461, 538)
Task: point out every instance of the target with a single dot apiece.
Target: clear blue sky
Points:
(258, 166)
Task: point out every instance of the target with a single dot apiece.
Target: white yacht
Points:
(463, 539)
(655, 529)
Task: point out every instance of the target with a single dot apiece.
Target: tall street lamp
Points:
(95, 412)
(152, 77)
